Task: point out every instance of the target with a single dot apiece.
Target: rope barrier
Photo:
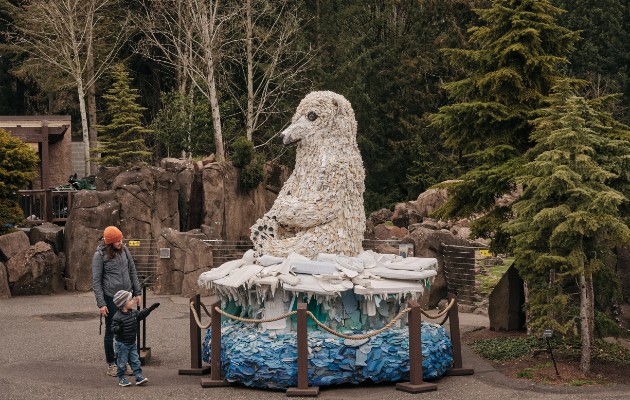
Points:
(255, 321)
(194, 313)
(441, 313)
(359, 337)
(320, 324)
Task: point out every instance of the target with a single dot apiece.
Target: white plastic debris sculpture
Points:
(307, 248)
(320, 207)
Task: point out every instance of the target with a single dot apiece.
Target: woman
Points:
(113, 269)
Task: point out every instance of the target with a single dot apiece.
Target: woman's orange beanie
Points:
(112, 235)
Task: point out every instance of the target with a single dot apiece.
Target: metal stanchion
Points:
(196, 367)
(453, 320)
(215, 346)
(415, 384)
(143, 351)
(302, 388)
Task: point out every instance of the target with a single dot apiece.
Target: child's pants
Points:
(127, 353)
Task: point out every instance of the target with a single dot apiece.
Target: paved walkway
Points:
(50, 349)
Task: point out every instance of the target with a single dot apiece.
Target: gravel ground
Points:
(50, 348)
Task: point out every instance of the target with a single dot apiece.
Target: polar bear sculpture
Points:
(320, 207)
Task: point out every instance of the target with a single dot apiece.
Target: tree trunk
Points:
(216, 116)
(250, 72)
(84, 125)
(91, 108)
(586, 282)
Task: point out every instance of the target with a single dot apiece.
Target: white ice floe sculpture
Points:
(320, 207)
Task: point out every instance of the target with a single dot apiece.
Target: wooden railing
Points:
(49, 205)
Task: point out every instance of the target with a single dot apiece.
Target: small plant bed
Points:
(519, 356)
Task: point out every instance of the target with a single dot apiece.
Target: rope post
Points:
(415, 384)
(215, 347)
(453, 318)
(302, 388)
(196, 368)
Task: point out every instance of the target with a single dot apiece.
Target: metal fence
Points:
(145, 255)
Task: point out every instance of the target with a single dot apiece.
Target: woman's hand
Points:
(104, 311)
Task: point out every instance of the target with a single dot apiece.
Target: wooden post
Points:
(48, 205)
(453, 321)
(302, 358)
(45, 158)
(415, 384)
(215, 347)
(195, 343)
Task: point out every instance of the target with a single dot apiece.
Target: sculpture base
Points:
(145, 355)
(256, 359)
(311, 391)
(209, 383)
(195, 371)
(419, 388)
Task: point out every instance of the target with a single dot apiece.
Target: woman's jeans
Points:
(108, 339)
(127, 353)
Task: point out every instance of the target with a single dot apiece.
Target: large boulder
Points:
(48, 233)
(91, 213)
(385, 232)
(228, 210)
(12, 244)
(5, 292)
(37, 270)
(189, 257)
(429, 201)
(505, 309)
(150, 199)
(428, 243)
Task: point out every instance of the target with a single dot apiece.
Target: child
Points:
(125, 327)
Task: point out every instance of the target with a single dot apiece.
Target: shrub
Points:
(504, 348)
(18, 166)
(242, 152)
(252, 174)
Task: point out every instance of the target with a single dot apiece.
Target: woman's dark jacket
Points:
(110, 275)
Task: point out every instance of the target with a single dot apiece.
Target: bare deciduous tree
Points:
(273, 63)
(61, 34)
(187, 35)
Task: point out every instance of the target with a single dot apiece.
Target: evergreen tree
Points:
(183, 126)
(122, 140)
(568, 219)
(602, 54)
(18, 166)
(384, 57)
(510, 70)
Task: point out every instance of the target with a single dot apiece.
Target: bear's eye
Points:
(311, 116)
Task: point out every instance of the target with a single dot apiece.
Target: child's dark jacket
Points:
(125, 324)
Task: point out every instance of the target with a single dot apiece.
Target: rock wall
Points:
(151, 203)
(189, 257)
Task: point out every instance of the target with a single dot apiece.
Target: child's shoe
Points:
(141, 380)
(124, 382)
(111, 370)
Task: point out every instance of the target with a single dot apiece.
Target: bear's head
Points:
(320, 117)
